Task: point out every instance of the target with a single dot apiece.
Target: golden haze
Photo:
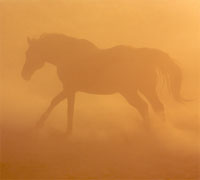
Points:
(109, 140)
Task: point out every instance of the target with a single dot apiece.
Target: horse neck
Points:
(69, 60)
(60, 62)
(67, 55)
(51, 57)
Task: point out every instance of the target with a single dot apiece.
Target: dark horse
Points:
(81, 66)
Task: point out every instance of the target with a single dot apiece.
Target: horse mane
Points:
(48, 36)
(55, 35)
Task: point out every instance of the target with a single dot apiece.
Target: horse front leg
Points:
(70, 113)
(55, 101)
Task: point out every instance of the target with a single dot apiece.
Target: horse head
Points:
(34, 60)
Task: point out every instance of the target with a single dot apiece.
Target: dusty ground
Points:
(108, 142)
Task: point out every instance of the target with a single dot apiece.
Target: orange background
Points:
(172, 26)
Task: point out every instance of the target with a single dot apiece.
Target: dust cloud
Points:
(109, 140)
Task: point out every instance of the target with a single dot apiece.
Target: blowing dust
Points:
(109, 140)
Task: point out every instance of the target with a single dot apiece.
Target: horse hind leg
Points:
(141, 106)
(70, 112)
(152, 97)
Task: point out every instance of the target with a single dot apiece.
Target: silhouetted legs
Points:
(136, 101)
(55, 101)
(151, 95)
(70, 113)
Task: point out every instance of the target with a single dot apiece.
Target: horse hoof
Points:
(68, 133)
(161, 115)
(39, 125)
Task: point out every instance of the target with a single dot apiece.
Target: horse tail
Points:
(173, 75)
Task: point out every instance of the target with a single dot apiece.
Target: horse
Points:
(83, 67)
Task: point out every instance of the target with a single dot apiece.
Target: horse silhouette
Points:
(83, 67)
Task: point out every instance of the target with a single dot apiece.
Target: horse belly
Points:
(99, 87)
(111, 81)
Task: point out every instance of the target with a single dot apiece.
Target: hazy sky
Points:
(165, 24)
(170, 25)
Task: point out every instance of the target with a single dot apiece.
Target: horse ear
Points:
(29, 40)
